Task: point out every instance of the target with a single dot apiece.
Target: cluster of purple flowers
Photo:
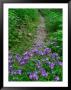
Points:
(10, 62)
(10, 66)
(38, 64)
(43, 72)
(33, 76)
(48, 60)
(60, 63)
(52, 65)
(54, 56)
(56, 78)
(24, 59)
(15, 72)
(47, 51)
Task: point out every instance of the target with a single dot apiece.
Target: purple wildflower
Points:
(10, 65)
(10, 62)
(18, 57)
(10, 70)
(52, 65)
(19, 71)
(60, 63)
(47, 51)
(54, 56)
(33, 76)
(10, 58)
(41, 53)
(23, 62)
(30, 54)
(14, 72)
(43, 72)
(56, 78)
(38, 64)
(24, 59)
(35, 50)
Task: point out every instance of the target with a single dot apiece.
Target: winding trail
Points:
(41, 33)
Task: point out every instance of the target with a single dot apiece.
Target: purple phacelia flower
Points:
(52, 65)
(35, 50)
(18, 58)
(10, 66)
(38, 61)
(54, 56)
(33, 76)
(10, 63)
(38, 64)
(41, 53)
(30, 54)
(15, 72)
(23, 62)
(10, 70)
(26, 57)
(43, 72)
(10, 58)
(47, 51)
(56, 78)
(19, 71)
(60, 63)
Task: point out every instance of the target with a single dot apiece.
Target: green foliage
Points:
(21, 23)
(53, 19)
(56, 42)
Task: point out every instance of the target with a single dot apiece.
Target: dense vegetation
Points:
(53, 20)
(22, 23)
(42, 65)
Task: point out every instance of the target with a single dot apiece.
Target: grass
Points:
(22, 29)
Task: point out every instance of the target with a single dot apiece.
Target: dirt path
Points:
(41, 33)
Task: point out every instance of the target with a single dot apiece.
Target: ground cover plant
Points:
(35, 45)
